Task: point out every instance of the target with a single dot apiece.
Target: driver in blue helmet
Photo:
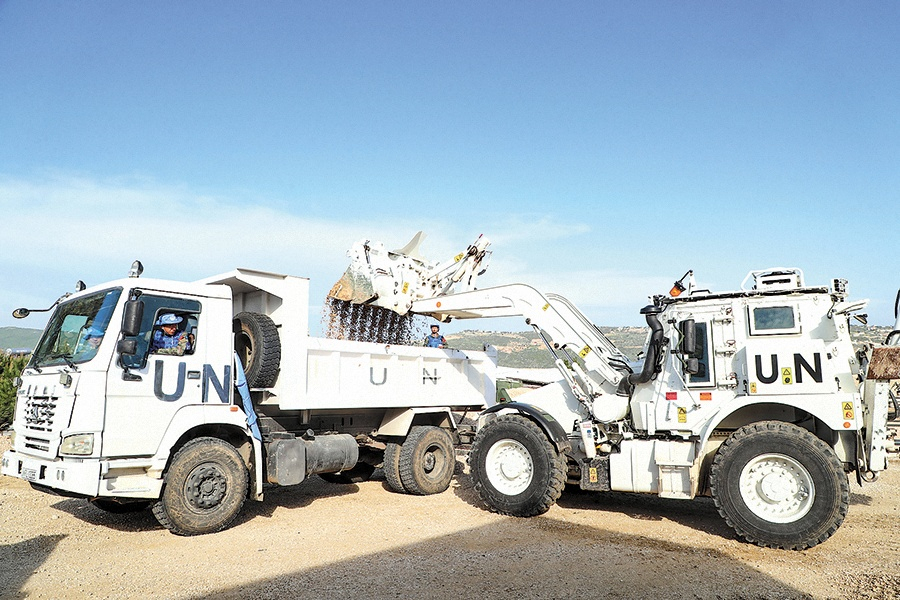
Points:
(167, 339)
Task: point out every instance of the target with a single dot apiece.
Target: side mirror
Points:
(692, 366)
(688, 337)
(127, 347)
(134, 314)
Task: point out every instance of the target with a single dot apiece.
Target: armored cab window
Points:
(772, 320)
(701, 353)
(169, 327)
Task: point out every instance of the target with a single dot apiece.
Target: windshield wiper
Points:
(65, 357)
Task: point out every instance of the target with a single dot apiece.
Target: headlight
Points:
(80, 444)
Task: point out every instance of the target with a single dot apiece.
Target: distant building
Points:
(17, 351)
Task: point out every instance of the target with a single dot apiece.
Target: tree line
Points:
(11, 366)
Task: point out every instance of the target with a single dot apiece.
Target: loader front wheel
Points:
(204, 489)
(779, 486)
(516, 470)
(427, 460)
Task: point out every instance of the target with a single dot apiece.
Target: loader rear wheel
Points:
(392, 467)
(779, 486)
(516, 470)
(204, 489)
(258, 347)
(427, 460)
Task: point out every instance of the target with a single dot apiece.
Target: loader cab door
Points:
(146, 389)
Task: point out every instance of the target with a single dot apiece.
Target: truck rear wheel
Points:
(258, 347)
(516, 469)
(427, 460)
(204, 489)
(779, 486)
(392, 467)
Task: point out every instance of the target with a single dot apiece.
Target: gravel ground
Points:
(321, 540)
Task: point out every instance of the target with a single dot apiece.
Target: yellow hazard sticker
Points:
(458, 257)
(752, 387)
(584, 351)
(592, 474)
(787, 378)
(848, 410)
(682, 414)
(545, 307)
(405, 287)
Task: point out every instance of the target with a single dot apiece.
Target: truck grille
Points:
(39, 412)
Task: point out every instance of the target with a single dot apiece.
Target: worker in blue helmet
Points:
(167, 339)
(435, 339)
(88, 344)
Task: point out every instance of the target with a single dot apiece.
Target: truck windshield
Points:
(76, 329)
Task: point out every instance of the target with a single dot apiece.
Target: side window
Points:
(770, 320)
(701, 353)
(169, 327)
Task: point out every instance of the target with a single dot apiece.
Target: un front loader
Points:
(755, 397)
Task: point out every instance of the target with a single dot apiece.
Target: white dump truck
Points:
(107, 411)
(755, 397)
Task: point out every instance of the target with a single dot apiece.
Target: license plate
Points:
(29, 474)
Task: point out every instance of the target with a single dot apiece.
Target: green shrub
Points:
(10, 368)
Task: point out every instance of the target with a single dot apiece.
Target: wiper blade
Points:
(65, 357)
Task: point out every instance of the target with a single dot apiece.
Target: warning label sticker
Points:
(787, 378)
(848, 410)
(682, 414)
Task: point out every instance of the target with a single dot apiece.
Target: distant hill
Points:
(18, 337)
(525, 349)
(517, 348)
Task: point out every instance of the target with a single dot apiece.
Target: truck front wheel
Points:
(516, 469)
(427, 460)
(204, 490)
(778, 485)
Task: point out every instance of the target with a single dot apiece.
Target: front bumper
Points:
(90, 478)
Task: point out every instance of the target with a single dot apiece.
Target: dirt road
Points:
(322, 540)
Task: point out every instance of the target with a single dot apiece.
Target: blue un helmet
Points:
(169, 319)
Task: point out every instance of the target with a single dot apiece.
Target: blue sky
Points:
(605, 148)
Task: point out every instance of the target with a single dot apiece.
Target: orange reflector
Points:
(438, 304)
(234, 409)
(706, 395)
(846, 425)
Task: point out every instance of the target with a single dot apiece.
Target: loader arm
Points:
(590, 364)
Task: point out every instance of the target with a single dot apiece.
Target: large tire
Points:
(427, 460)
(391, 467)
(516, 470)
(204, 489)
(779, 486)
(258, 346)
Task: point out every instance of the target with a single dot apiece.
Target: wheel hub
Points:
(509, 467)
(777, 488)
(205, 487)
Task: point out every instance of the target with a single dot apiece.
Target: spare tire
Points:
(258, 347)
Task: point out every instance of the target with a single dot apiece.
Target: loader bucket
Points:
(352, 287)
